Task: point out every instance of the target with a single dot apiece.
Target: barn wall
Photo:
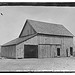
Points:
(54, 42)
(0, 51)
(32, 41)
(47, 46)
(8, 51)
(48, 40)
(20, 50)
(66, 44)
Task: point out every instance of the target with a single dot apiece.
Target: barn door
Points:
(44, 51)
(31, 51)
(48, 53)
(52, 50)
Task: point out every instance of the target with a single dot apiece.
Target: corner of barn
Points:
(23, 48)
(8, 51)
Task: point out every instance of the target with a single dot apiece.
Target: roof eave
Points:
(55, 35)
(8, 45)
(27, 39)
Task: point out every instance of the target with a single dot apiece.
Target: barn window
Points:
(71, 50)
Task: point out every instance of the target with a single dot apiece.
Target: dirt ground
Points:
(46, 64)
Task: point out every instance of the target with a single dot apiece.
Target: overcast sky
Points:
(14, 17)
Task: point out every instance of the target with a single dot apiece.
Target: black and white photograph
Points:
(37, 37)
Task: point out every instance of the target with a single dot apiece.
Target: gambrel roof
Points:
(41, 28)
(49, 28)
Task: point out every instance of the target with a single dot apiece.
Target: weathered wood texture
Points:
(28, 30)
(8, 51)
(47, 46)
(51, 43)
(20, 50)
(32, 41)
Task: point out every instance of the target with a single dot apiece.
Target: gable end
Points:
(27, 30)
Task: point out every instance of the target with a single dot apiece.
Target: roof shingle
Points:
(18, 40)
(49, 28)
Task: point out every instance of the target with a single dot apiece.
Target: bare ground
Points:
(46, 64)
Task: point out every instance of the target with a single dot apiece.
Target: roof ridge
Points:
(44, 22)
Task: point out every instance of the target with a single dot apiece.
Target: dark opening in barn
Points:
(30, 51)
(67, 52)
(71, 51)
(58, 51)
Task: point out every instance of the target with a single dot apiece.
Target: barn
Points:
(40, 40)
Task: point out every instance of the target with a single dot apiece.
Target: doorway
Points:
(67, 52)
(30, 51)
(58, 51)
(71, 50)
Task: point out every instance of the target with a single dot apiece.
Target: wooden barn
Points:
(40, 40)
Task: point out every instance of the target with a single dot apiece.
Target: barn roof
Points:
(18, 40)
(49, 28)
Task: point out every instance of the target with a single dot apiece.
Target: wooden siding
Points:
(32, 41)
(20, 50)
(28, 30)
(46, 51)
(54, 42)
(43, 51)
(47, 46)
(48, 40)
(8, 51)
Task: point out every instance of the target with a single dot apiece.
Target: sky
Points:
(14, 17)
